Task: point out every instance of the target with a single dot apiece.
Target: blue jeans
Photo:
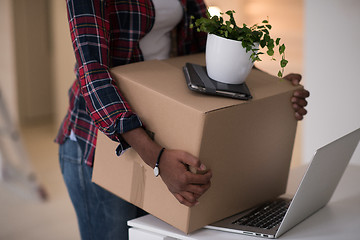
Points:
(100, 214)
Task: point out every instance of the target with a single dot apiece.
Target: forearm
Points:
(143, 145)
(184, 185)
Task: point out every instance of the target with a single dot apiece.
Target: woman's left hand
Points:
(298, 99)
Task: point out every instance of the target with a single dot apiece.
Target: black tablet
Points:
(198, 80)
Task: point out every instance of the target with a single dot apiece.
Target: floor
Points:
(24, 217)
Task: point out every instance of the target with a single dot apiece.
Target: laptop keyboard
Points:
(266, 216)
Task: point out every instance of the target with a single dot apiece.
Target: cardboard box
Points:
(247, 144)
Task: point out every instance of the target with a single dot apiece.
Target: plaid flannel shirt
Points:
(105, 34)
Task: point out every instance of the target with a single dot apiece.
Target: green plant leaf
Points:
(277, 41)
(262, 43)
(267, 37)
(270, 52)
(283, 63)
(248, 35)
(280, 74)
(270, 44)
(282, 49)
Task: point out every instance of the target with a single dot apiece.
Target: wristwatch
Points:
(156, 168)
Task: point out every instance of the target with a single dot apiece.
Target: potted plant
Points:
(232, 50)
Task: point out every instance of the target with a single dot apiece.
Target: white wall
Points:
(237, 5)
(7, 59)
(331, 65)
(32, 51)
(62, 58)
(24, 60)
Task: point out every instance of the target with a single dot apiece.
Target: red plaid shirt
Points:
(105, 34)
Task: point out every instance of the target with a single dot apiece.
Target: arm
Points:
(90, 34)
(187, 187)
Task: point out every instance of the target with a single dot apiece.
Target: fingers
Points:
(186, 186)
(190, 198)
(303, 93)
(299, 109)
(198, 178)
(184, 201)
(194, 183)
(198, 190)
(192, 161)
(295, 78)
(299, 103)
(298, 116)
(187, 198)
(299, 97)
(191, 193)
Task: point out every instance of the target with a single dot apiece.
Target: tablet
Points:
(198, 80)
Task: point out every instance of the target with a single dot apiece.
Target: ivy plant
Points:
(258, 33)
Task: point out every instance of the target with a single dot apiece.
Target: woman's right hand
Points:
(187, 187)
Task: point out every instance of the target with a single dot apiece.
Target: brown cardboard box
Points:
(247, 144)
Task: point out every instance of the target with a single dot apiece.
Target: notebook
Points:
(198, 80)
(313, 193)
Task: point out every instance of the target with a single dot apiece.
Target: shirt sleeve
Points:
(189, 39)
(90, 34)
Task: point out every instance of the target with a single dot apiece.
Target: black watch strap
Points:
(156, 168)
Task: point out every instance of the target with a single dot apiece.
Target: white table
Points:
(339, 220)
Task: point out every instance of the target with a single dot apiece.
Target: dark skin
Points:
(298, 100)
(186, 186)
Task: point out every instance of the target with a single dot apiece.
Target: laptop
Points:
(198, 80)
(273, 218)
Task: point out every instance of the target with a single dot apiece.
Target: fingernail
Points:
(202, 167)
(296, 94)
(293, 100)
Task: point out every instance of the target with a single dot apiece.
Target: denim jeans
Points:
(100, 214)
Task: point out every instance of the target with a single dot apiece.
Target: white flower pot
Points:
(226, 60)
